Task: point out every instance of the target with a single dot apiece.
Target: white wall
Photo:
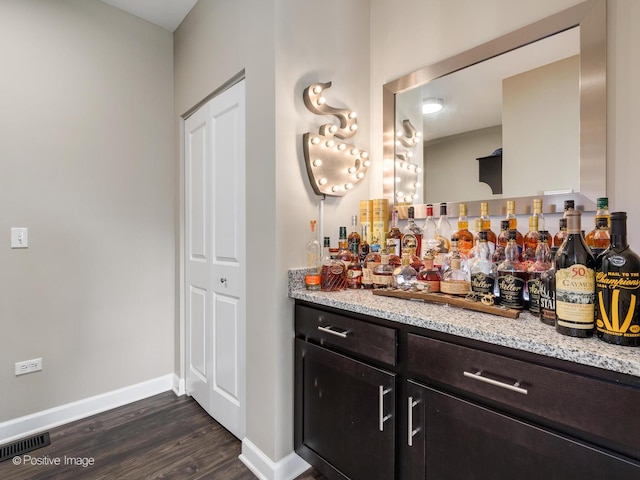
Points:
(401, 42)
(87, 166)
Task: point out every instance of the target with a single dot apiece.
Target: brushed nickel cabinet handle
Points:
(382, 417)
(411, 431)
(330, 329)
(515, 387)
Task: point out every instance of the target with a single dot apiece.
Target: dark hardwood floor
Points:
(162, 437)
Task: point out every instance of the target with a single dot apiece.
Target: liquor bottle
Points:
(618, 288)
(562, 223)
(443, 231)
(513, 224)
(429, 275)
(483, 270)
(503, 238)
(371, 261)
(548, 292)
(463, 235)
(343, 247)
(313, 249)
(511, 277)
(562, 232)
(429, 229)
(530, 243)
(394, 236)
(456, 279)
(354, 273)
(411, 234)
(333, 275)
(382, 273)
(535, 270)
(363, 248)
(537, 212)
(598, 239)
(404, 276)
(486, 225)
(575, 282)
(354, 239)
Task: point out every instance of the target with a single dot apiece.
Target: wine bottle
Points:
(575, 282)
(618, 288)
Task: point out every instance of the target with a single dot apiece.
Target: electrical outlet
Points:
(28, 366)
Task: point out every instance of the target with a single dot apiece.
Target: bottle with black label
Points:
(511, 277)
(575, 282)
(483, 271)
(536, 269)
(548, 292)
(618, 288)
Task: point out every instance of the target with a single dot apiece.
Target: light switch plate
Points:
(19, 237)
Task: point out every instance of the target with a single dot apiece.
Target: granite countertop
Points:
(526, 333)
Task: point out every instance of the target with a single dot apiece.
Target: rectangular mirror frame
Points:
(590, 16)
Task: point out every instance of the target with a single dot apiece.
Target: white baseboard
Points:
(178, 386)
(264, 468)
(53, 417)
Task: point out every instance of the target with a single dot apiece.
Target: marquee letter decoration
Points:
(333, 165)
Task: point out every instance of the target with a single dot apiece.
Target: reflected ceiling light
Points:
(431, 105)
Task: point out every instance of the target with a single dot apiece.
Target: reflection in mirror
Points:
(534, 100)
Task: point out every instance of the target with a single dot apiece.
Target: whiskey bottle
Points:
(537, 212)
(483, 270)
(503, 238)
(598, 239)
(562, 232)
(354, 239)
(313, 249)
(536, 269)
(363, 248)
(394, 236)
(511, 277)
(333, 275)
(513, 224)
(530, 243)
(575, 282)
(486, 225)
(443, 234)
(383, 272)
(354, 273)
(404, 276)
(343, 247)
(456, 279)
(429, 229)
(618, 288)
(411, 235)
(429, 275)
(548, 292)
(463, 235)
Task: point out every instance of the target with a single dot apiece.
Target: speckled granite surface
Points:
(525, 333)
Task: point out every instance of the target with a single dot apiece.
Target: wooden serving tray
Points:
(460, 302)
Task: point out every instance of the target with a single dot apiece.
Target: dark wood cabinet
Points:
(453, 408)
(461, 439)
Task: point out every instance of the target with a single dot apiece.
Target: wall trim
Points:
(53, 417)
(264, 468)
(178, 386)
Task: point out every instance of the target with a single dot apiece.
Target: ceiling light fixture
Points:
(431, 105)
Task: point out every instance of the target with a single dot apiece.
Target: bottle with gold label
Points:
(486, 225)
(618, 288)
(463, 235)
(411, 235)
(575, 282)
(456, 279)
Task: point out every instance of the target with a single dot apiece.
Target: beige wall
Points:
(87, 166)
(217, 40)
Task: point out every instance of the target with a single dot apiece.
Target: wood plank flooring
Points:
(162, 437)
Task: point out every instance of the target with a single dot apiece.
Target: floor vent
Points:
(23, 446)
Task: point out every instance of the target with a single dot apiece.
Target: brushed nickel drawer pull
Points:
(411, 431)
(382, 417)
(478, 376)
(329, 329)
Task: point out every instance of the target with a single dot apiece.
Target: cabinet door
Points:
(346, 413)
(465, 440)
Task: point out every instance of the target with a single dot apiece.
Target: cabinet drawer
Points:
(356, 336)
(598, 408)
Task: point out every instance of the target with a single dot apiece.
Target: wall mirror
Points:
(523, 116)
